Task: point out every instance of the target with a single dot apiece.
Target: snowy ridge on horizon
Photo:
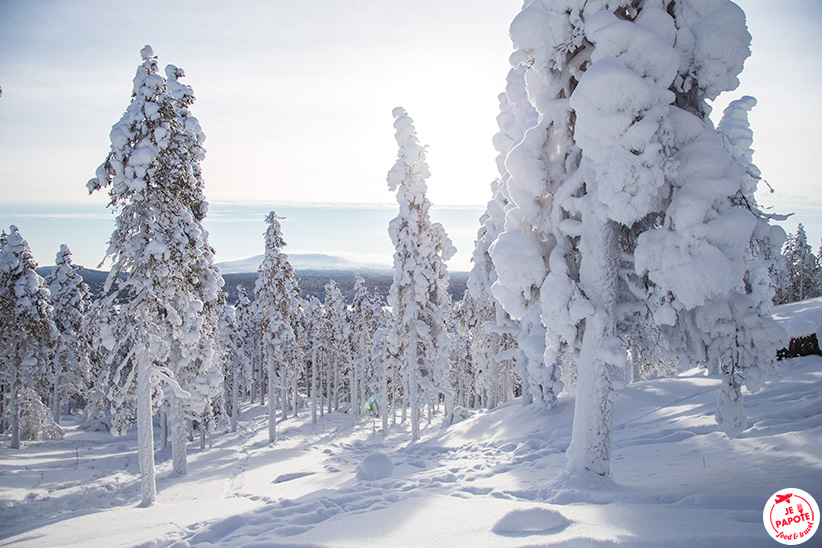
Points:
(299, 261)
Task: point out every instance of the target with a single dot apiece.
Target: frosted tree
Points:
(246, 314)
(765, 260)
(490, 330)
(154, 181)
(277, 295)
(637, 210)
(313, 333)
(337, 344)
(100, 322)
(27, 331)
(235, 362)
(363, 318)
(419, 296)
(386, 383)
(801, 268)
(465, 370)
(71, 300)
(516, 231)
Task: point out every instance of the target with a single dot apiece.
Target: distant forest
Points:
(312, 282)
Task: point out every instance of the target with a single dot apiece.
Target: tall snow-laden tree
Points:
(100, 322)
(27, 332)
(277, 295)
(636, 210)
(363, 318)
(737, 135)
(246, 313)
(802, 268)
(517, 236)
(491, 331)
(235, 362)
(71, 300)
(155, 185)
(337, 344)
(419, 295)
(313, 310)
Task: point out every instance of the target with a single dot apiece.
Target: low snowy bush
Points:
(36, 421)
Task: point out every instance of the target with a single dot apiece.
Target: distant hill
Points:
(96, 279)
(312, 281)
(299, 261)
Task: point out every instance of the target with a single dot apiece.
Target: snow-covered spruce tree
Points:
(159, 244)
(236, 363)
(337, 344)
(27, 332)
(491, 331)
(802, 268)
(386, 383)
(363, 318)
(71, 299)
(642, 216)
(246, 314)
(766, 241)
(101, 322)
(277, 293)
(464, 370)
(419, 296)
(517, 236)
(199, 299)
(312, 334)
(290, 396)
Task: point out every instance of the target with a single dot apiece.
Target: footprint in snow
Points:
(533, 521)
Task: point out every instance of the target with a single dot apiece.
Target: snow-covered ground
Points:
(496, 479)
(800, 319)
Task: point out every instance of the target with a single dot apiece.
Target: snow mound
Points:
(533, 521)
(374, 467)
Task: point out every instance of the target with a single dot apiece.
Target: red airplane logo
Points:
(783, 498)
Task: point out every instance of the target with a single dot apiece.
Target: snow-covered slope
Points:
(800, 319)
(496, 479)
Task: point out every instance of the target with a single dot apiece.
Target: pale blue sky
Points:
(296, 97)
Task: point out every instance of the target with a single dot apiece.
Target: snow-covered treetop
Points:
(15, 255)
(411, 170)
(276, 284)
(22, 291)
(70, 294)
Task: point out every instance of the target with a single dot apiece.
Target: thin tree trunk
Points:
(253, 382)
(284, 398)
(272, 407)
(235, 403)
(314, 386)
(384, 408)
(294, 399)
(179, 459)
(3, 392)
(15, 413)
(145, 431)
(55, 411)
(164, 427)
